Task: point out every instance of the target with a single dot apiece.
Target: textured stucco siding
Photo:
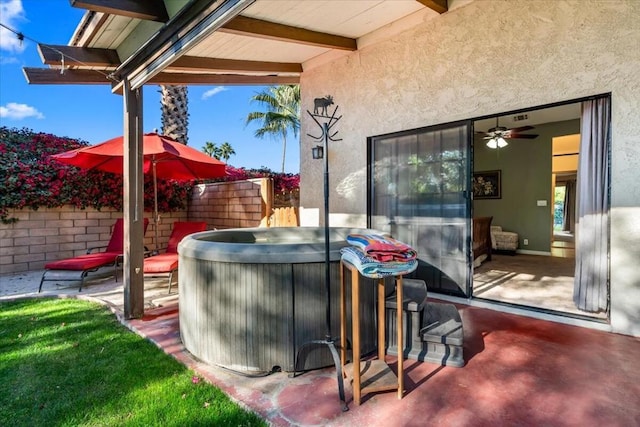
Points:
(481, 58)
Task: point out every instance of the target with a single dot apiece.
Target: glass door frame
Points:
(465, 290)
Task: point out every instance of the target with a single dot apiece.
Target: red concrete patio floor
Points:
(518, 372)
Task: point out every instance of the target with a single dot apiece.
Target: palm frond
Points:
(281, 112)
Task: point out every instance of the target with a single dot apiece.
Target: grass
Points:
(66, 362)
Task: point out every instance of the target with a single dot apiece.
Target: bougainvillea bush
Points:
(282, 182)
(32, 179)
(286, 186)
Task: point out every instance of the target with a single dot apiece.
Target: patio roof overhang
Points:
(128, 44)
(223, 42)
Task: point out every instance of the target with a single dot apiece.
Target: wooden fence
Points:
(284, 217)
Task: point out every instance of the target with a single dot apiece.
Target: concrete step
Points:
(439, 339)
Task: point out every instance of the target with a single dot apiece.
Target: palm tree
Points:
(221, 153)
(211, 149)
(226, 151)
(175, 112)
(282, 104)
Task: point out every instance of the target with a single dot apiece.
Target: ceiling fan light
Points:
(497, 142)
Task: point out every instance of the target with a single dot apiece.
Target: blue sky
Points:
(92, 113)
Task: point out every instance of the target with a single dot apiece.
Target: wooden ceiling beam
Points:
(251, 27)
(149, 10)
(108, 58)
(221, 79)
(78, 56)
(196, 63)
(439, 6)
(52, 76)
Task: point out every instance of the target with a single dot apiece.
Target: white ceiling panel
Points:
(353, 18)
(348, 18)
(228, 46)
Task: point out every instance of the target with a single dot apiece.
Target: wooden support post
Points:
(133, 276)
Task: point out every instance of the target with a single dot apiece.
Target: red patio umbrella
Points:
(164, 157)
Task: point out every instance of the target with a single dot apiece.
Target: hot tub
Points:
(251, 297)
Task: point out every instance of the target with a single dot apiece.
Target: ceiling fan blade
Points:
(521, 129)
(521, 136)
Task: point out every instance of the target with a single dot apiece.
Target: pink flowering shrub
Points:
(282, 182)
(286, 186)
(32, 179)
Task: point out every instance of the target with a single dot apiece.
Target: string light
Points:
(21, 38)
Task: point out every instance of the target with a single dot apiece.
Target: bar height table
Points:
(371, 375)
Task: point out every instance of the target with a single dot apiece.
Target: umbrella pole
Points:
(156, 218)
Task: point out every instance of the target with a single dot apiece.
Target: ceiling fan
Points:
(497, 136)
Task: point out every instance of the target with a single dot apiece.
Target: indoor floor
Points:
(544, 282)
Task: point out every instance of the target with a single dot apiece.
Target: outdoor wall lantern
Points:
(317, 152)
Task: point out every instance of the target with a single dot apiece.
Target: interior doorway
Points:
(537, 162)
(563, 237)
(565, 156)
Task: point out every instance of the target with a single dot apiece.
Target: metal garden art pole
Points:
(326, 122)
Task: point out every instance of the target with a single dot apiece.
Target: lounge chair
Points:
(167, 263)
(91, 261)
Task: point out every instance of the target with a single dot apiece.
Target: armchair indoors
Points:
(503, 241)
(77, 268)
(167, 263)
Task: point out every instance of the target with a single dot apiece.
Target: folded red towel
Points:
(382, 248)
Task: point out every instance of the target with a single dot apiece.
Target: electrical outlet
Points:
(526, 242)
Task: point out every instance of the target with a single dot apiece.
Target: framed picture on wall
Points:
(487, 185)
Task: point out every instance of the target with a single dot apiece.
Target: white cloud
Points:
(11, 12)
(8, 60)
(214, 91)
(19, 111)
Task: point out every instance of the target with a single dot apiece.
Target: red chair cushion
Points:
(84, 262)
(163, 263)
(180, 231)
(116, 244)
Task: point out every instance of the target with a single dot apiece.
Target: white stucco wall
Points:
(487, 57)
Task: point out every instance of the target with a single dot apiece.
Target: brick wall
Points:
(237, 204)
(57, 233)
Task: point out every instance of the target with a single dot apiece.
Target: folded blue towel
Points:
(371, 268)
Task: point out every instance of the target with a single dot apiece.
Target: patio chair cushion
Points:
(84, 262)
(162, 263)
(116, 244)
(180, 230)
(168, 261)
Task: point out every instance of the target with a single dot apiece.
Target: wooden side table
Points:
(371, 375)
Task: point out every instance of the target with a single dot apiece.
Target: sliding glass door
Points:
(419, 192)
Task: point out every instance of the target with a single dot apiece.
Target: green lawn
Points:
(66, 362)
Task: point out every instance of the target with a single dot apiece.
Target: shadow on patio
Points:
(518, 371)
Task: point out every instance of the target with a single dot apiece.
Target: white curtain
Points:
(590, 292)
